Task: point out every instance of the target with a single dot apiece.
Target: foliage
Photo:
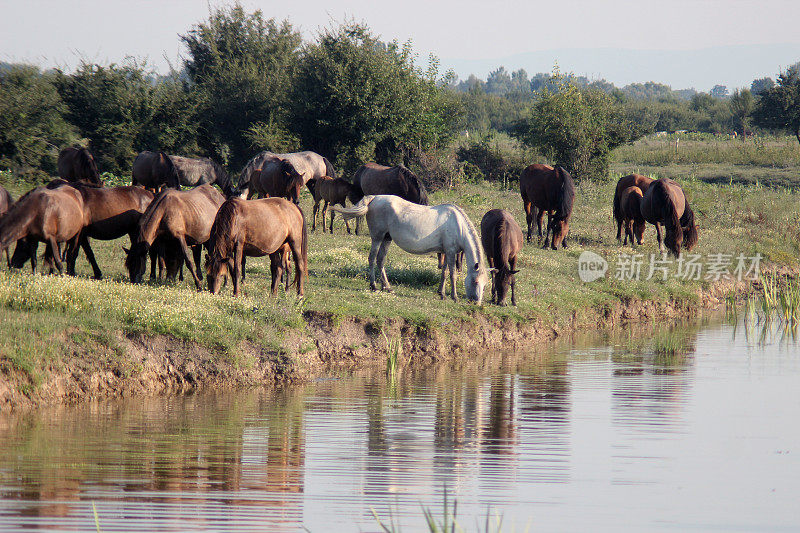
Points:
(576, 128)
(779, 107)
(742, 105)
(358, 99)
(495, 157)
(242, 68)
(32, 125)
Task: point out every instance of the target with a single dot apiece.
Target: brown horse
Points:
(373, 178)
(256, 228)
(308, 164)
(183, 216)
(551, 190)
(110, 213)
(502, 241)
(665, 204)
(44, 215)
(630, 209)
(77, 164)
(5, 204)
(631, 180)
(154, 170)
(332, 191)
(277, 179)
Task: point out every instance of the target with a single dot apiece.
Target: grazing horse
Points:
(77, 164)
(631, 212)
(193, 172)
(502, 241)
(375, 179)
(277, 179)
(154, 170)
(420, 229)
(109, 213)
(631, 180)
(44, 215)
(547, 189)
(182, 216)
(332, 191)
(256, 228)
(665, 204)
(309, 165)
(5, 204)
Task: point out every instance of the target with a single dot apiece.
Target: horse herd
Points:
(169, 225)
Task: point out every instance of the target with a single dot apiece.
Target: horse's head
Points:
(136, 261)
(503, 279)
(90, 172)
(673, 240)
(560, 228)
(294, 181)
(475, 282)
(217, 268)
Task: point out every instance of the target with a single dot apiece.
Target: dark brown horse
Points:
(665, 204)
(631, 212)
(332, 191)
(256, 228)
(502, 241)
(44, 215)
(77, 164)
(631, 180)
(184, 217)
(154, 170)
(545, 189)
(5, 204)
(277, 179)
(373, 178)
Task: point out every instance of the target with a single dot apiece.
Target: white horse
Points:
(420, 229)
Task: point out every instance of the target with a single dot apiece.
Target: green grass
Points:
(732, 219)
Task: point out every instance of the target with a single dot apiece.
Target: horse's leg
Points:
(494, 286)
(512, 263)
(87, 249)
(8, 258)
(33, 247)
(547, 231)
(373, 253)
(527, 205)
(187, 256)
(451, 266)
(333, 213)
(658, 237)
(539, 216)
(384, 249)
(346, 222)
(238, 253)
(443, 267)
(300, 264)
(244, 262)
(198, 252)
(314, 216)
(358, 224)
(55, 250)
(276, 269)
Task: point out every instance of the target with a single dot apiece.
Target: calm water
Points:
(595, 435)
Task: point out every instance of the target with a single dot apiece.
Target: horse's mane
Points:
(566, 195)
(88, 165)
(172, 170)
(329, 170)
(472, 233)
(227, 225)
(147, 218)
(222, 176)
(689, 227)
(414, 183)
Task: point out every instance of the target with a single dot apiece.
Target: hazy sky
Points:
(462, 33)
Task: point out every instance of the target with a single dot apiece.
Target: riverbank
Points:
(66, 339)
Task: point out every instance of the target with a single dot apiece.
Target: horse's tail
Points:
(358, 210)
(689, 227)
(566, 195)
(617, 210)
(420, 194)
(329, 170)
(224, 230)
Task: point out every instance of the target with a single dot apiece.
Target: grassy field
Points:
(766, 160)
(36, 309)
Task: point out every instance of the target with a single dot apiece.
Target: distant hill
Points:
(732, 66)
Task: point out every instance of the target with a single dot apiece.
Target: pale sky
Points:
(467, 34)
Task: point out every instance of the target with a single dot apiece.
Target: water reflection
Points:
(567, 435)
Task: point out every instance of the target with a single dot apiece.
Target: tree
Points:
(242, 68)
(719, 91)
(498, 81)
(742, 105)
(761, 85)
(779, 107)
(576, 128)
(32, 125)
(358, 99)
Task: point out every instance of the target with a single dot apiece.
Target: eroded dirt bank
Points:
(141, 364)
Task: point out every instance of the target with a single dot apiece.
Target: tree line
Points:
(250, 83)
